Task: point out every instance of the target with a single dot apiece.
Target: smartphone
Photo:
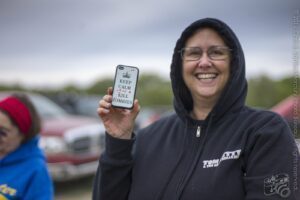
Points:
(124, 89)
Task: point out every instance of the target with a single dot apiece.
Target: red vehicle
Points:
(289, 109)
(72, 143)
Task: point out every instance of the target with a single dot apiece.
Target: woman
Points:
(23, 170)
(214, 147)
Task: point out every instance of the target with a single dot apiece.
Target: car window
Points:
(46, 108)
(87, 106)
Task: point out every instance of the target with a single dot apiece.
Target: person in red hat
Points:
(23, 167)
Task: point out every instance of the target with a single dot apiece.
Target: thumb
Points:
(109, 90)
(136, 107)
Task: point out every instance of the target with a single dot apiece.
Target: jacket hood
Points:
(235, 91)
(27, 150)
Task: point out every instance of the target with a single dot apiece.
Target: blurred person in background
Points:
(214, 147)
(23, 168)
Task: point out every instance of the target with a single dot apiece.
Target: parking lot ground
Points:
(80, 189)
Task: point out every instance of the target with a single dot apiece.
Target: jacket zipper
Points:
(183, 181)
(198, 133)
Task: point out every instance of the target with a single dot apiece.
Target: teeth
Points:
(206, 76)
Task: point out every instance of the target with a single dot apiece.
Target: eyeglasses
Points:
(214, 53)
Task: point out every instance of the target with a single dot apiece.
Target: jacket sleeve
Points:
(113, 178)
(272, 164)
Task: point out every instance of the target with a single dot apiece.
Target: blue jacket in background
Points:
(24, 174)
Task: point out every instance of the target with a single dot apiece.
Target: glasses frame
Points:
(181, 51)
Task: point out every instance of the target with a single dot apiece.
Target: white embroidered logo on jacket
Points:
(227, 155)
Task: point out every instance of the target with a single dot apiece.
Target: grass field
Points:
(74, 190)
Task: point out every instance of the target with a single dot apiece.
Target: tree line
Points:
(153, 90)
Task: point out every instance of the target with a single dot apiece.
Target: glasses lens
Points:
(214, 53)
(191, 53)
(218, 53)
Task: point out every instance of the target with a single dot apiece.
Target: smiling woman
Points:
(205, 73)
(214, 147)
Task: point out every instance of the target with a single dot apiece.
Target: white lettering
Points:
(228, 155)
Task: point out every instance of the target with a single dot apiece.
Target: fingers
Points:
(105, 103)
(107, 98)
(136, 107)
(104, 107)
(109, 91)
(102, 111)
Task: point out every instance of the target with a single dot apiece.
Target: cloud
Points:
(65, 34)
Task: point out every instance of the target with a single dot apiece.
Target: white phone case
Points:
(124, 89)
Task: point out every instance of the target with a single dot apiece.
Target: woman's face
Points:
(10, 137)
(206, 78)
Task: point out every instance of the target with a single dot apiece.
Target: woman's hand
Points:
(118, 122)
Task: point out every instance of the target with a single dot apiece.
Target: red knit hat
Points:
(18, 112)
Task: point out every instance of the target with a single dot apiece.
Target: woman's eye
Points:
(2, 133)
(192, 53)
(216, 52)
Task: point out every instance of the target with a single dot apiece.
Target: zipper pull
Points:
(198, 131)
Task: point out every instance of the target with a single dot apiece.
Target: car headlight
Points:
(53, 145)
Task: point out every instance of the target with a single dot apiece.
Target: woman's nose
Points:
(204, 61)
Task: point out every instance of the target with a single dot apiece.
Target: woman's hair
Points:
(35, 127)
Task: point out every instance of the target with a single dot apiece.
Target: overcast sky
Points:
(56, 42)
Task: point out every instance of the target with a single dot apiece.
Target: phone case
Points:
(124, 90)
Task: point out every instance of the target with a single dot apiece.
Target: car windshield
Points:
(87, 106)
(46, 108)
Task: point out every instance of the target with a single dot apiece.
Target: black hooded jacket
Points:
(236, 153)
